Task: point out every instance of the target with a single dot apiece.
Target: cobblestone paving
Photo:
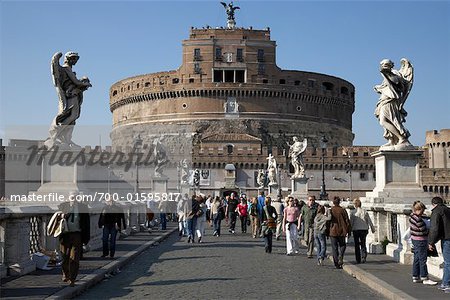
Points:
(229, 267)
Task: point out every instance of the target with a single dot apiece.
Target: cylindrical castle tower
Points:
(229, 83)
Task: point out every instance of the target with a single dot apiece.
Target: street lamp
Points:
(348, 170)
(323, 146)
(137, 143)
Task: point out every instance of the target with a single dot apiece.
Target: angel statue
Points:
(272, 170)
(394, 91)
(260, 178)
(70, 97)
(184, 171)
(230, 8)
(160, 156)
(296, 154)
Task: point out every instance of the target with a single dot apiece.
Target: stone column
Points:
(17, 247)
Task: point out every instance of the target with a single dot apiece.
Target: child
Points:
(419, 238)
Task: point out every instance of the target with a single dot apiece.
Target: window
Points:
(374, 176)
(327, 86)
(261, 69)
(218, 53)
(239, 54)
(230, 149)
(175, 80)
(218, 76)
(147, 84)
(355, 153)
(344, 90)
(282, 81)
(311, 83)
(240, 76)
(197, 69)
(197, 54)
(137, 85)
(229, 76)
(362, 176)
(115, 92)
(297, 82)
(366, 153)
(265, 81)
(191, 80)
(260, 54)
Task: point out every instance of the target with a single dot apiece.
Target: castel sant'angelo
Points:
(230, 96)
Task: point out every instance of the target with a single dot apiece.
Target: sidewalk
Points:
(48, 284)
(391, 279)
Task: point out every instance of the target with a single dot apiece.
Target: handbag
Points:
(199, 213)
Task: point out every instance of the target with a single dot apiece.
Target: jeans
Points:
(232, 216)
(359, 236)
(243, 223)
(321, 245)
(338, 247)
(217, 219)
(109, 239)
(420, 259)
(191, 223)
(163, 218)
(446, 254)
(268, 241)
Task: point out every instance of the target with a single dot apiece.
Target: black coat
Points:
(85, 222)
(440, 224)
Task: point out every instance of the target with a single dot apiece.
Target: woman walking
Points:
(201, 218)
(242, 210)
(291, 221)
(320, 228)
(360, 222)
(217, 214)
(254, 216)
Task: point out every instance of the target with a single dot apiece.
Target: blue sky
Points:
(118, 39)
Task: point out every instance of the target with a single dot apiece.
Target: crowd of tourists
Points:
(313, 224)
(292, 218)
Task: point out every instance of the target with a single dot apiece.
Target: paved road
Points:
(230, 267)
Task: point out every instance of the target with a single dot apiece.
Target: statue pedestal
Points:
(62, 173)
(274, 191)
(397, 178)
(159, 184)
(299, 188)
(397, 187)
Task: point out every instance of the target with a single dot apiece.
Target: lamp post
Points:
(323, 146)
(348, 170)
(137, 143)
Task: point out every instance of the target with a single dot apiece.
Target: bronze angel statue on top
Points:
(70, 97)
(394, 91)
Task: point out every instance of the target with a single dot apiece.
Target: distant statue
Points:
(70, 97)
(196, 177)
(184, 172)
(260, 178)
(231, 106)
(394, 91)
(296, 154)
(160, 156)
(272, 170)
(230, 8)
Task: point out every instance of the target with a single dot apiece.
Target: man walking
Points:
(231, 212)
(440, 231)
(308, 213)
(279, 207)
(111, 219)
(77, 233)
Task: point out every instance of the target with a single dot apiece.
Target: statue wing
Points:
(304, 145)
(407, 72)
(224, 4)
(236, 7)
(57, 80)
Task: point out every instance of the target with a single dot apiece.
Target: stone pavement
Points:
(176, 269)
(47, 284)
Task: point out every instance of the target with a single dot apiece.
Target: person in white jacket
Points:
(360, 222)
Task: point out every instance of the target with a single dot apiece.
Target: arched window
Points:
(230, 149)
(344, 90)
(327, 86)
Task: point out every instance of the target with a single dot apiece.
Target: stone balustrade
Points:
(23, 233)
